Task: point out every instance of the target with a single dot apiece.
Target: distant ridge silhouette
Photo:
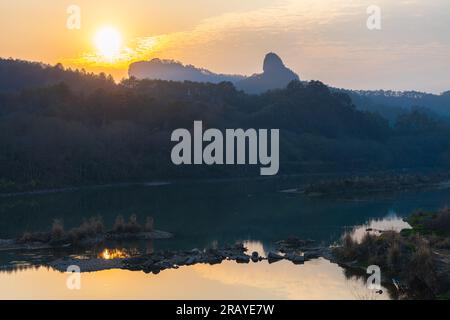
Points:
(175, 71)
(275, 75)
(17, 75)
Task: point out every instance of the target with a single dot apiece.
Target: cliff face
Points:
(275, 76)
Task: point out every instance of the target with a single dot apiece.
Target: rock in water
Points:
(274, 257)
(295, 258)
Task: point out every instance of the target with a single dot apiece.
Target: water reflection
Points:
(201, 216)
(316, 279)
(109, 254)
(255, 246)
(376, 226)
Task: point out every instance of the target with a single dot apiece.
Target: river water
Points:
(201, 215)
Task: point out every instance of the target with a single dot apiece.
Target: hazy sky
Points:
(325, 40)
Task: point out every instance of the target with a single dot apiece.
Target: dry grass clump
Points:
(132, 225)
(30, 237)
(441, 243)
(56, 234)
(89, 229)
(149, 224)
(57, 231)
(439, 223)
(421, 268)
(409, 258)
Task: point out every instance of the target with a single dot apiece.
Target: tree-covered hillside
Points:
(59, 135)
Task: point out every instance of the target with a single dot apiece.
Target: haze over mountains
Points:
(16, 75)
(275, 74)
(68, 127)
(175, 71)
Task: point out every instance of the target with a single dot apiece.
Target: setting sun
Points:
(108, 42)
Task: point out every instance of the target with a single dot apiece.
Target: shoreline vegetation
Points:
(355, 184)
(91, 232)
(417, 260)
(77, 188)
(375, 183)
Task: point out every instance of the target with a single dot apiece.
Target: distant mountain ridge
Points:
(171, 70)
(275, 74)
(390, 103)
(105, 132)
(16, 75)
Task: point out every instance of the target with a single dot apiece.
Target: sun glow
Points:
(113, 254)
(108, 42)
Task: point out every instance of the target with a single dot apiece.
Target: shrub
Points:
(421, 266)
(57, 231)
(29, 237)
(119, 224)
(89, 228)
(132, 226)
(149, 224)
(439, 223)
(393, 258)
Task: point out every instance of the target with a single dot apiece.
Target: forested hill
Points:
(393, 103)
(16, 75)
(55, 136)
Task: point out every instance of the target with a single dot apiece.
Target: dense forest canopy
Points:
(16, 75)
(65, 127)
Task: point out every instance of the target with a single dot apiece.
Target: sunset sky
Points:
(325, 40)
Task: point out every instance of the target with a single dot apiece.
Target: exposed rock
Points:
(243, 259)
(295, 258)
(294, 244)
(275, 76)
(308, 255)
(156, 262)
(255, 256)
(274, 257)
(87, 265)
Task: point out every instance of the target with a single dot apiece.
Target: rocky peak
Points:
(275, 76)
(272, 63)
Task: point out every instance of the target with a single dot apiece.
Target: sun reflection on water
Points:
(109, 254)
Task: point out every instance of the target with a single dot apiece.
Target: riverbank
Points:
(417, 259)
(89, 234)
(88, 187)
(375, 183)
(327, 180)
